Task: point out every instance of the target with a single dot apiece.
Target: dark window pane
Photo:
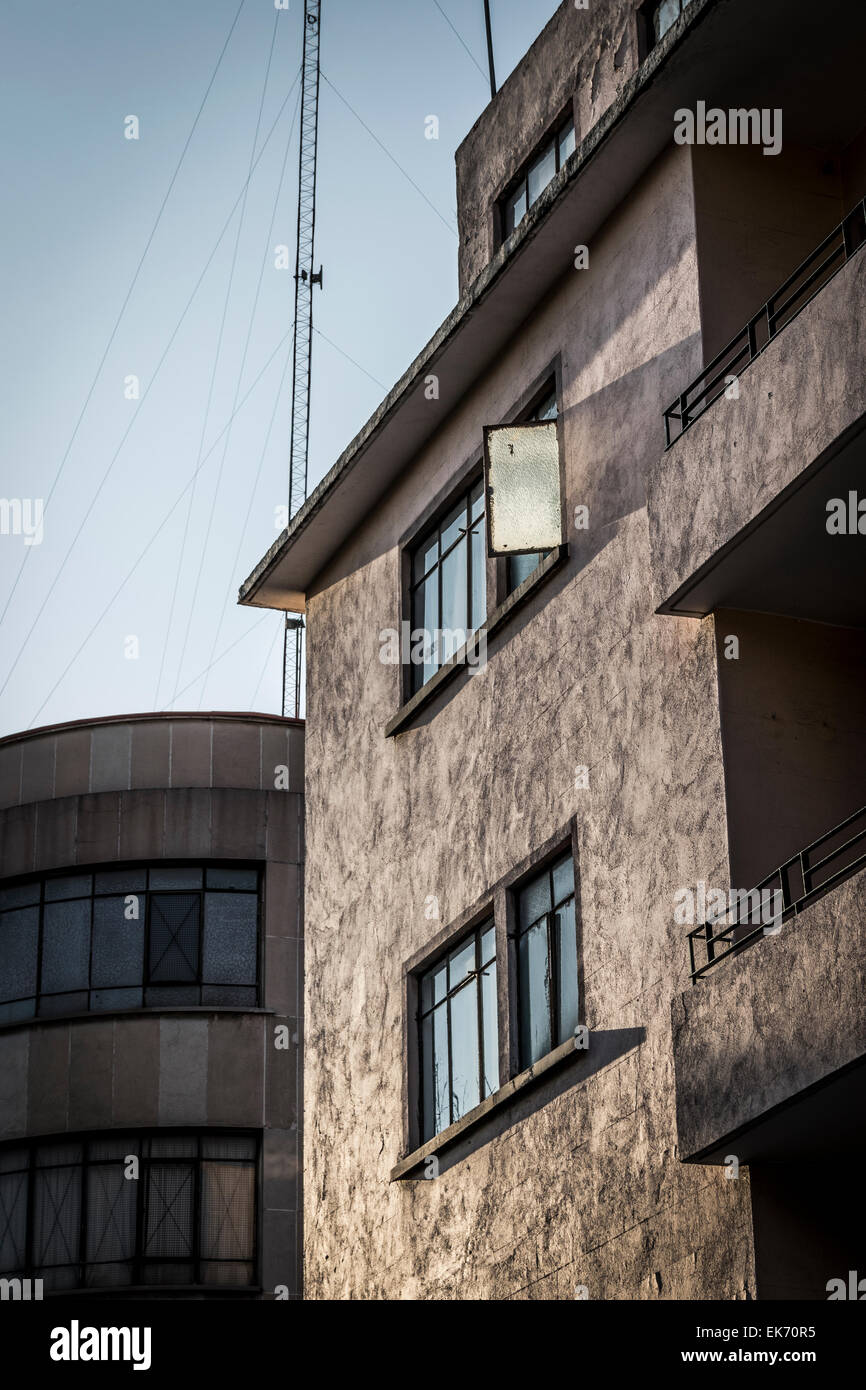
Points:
(546, 409)
(52, 1005)
(171, 996)
(665, 16)
(230, 938)
(110, 999)
(227, 1210)
(176, 1273)
(13, 1221)
(535, 899)
(476, 500)
(563, 879)
(21, 896)
(108, 1275)
(175, 878)
(56, 1216)
(241, 880)
(566, 142)
(488, 945)
(172, 1146)
(478, 546)
(79, 886)
(566, 948)
(520, 567)
(170, 1202)
(453, 525)
(111, 1209)
(19, 944)
(118, 940)
(425, 618)
(232, 1274)
(230, 996)
(17, 1012)
(65, 945)
(436, 1071)
(461, 963)
(465, 1082)
(425, 557)
(434, 986)
(534, 985)
(174, 935)
(490, 1029)
(229, 1146)
(516, 208)
(121, 881)
(541, 172)
(454, 601)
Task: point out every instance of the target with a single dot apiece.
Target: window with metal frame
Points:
(130, 1210)
(658, 17)
(528, 187)
(448, 584)
(520, 567)
(129, 938)
(547, 978)
(458, 1031)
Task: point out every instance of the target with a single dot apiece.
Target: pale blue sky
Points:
(80, 204)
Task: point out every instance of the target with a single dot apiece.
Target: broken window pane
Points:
(522, 464)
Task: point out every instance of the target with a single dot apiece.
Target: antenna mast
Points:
(305, 279)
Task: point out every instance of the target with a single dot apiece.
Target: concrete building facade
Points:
(150, 967)
(535, 1065)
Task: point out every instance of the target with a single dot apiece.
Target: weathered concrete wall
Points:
(744, 1044)
(587, 1188)
(793, 710)
(742, 453)
(582, 58)
(145, 789)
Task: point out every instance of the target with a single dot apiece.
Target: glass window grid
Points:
(32, 1161)
(520, 567)
(470, 980)
(549, 915)
(45, 892)
(472, 502)
(518, 191)
(558, 902)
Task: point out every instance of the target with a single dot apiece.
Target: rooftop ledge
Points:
(634, 130)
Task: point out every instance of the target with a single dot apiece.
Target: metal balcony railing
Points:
(801, 287)
(800, 880)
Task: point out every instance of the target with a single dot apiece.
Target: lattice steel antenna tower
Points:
(305, 280)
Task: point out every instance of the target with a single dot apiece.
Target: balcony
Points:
(797, 883)
(737, 503)
(770, 1052)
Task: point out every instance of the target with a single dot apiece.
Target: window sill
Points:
(467, 653)
(566, 1051)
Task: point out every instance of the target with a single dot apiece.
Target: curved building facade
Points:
(150, 1007)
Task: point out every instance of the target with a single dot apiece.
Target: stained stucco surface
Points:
(587, 1188)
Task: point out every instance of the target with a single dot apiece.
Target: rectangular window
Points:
(547, 961)
(459, 1031)
(72, 1216)
(537, 174)
(448, 599)
(520, 567)
(466, 1018)
(116, 940)
(657, 18)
